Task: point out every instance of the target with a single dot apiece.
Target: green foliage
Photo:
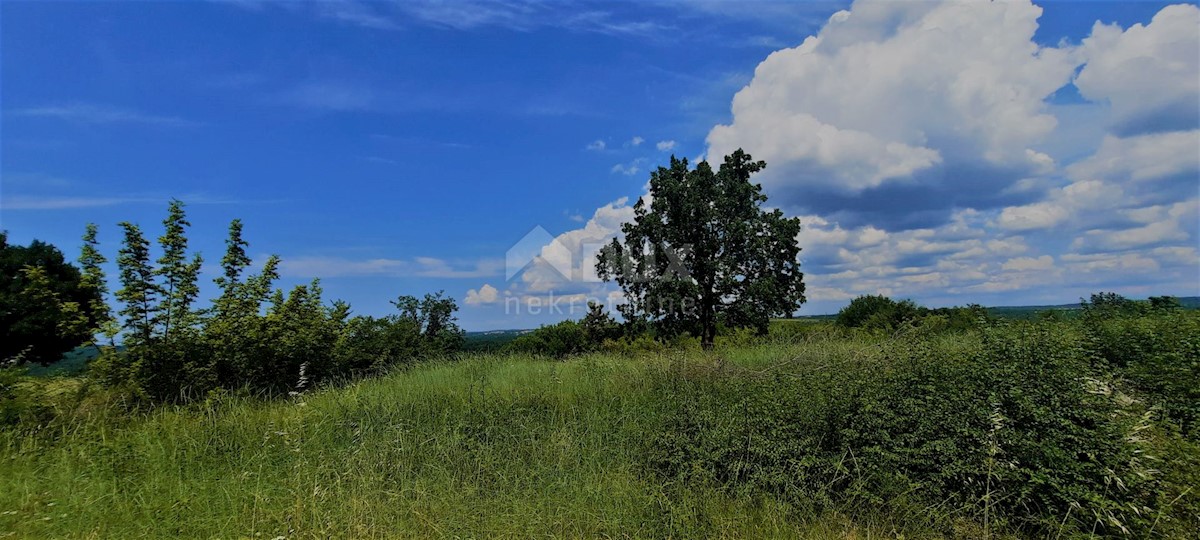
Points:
(138, 289)
(433, 318)
(19, 404)
(47, 307)
(595, 331)
(861, 311)
(877, 313)
(704, 252)
(178, 287)
(557, 340)
(90, 261)
(1014, 426)
(1107, 305)
(1007, 431)
(1158, 353)
(598, 325)
(484, 447)
(1164, 303)
(424, 329)
(253, 337)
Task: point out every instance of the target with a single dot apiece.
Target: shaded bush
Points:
(878, 313)
(1158, 353)
(594, 331)
(1014, 424)
(47, 307)
(557, 340)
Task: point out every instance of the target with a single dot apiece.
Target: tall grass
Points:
(490, 446)
(805, 435)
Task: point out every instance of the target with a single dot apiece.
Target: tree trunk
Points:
(708, 325)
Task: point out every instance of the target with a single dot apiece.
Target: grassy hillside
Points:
(490, 446)
(1011, 431)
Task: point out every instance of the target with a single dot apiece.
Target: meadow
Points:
(1015, 429)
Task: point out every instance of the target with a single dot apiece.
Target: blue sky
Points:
(950, 153)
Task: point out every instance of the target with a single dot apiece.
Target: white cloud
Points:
(102, 114)
(486, 294)
(1150, 74)
(1036, 216)
(889, 90)
(856, 160)
(629, 169)
(1110, 263)
(636, 141)
(330, 267)
(1158, 225)
(1142, 158)
(1075, 199)
(23, 202)
(1026, 264)
(57, 202)
(566, 264)
(664, 146)
(467, 15)
(596, 145)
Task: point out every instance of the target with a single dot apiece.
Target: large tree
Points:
(704, 251)
(46, 308)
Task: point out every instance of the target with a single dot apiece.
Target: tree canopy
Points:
(703, 251)
(46, 306)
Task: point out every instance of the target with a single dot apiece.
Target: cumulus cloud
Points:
(1150, 74)
(1153, 226)
(636, 141)
(664, 146)
(596, 145)
(486, 294)
(1143, 158)
(928, 102)
(1061, 205)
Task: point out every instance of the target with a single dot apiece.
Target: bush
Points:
(597, 330)
(557, 340)
(1158, 354)
(1014, 423)
(879, 313)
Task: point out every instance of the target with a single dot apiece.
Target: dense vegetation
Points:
(1028, 429)
(47, 306)
(251, 338)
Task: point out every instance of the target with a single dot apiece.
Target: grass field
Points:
(502, 446)
(486, 447)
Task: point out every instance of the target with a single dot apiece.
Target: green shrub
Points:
(556, 340)
(1010, 427)
(879, 313)
(1158, 353)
